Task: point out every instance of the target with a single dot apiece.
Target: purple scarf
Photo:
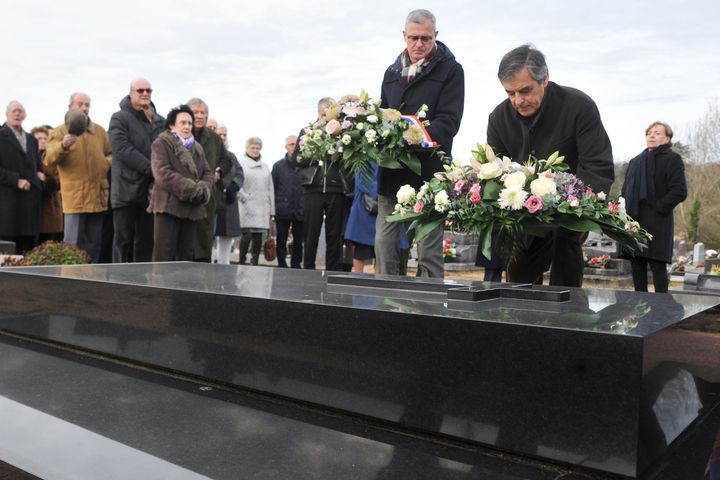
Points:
(186, 142)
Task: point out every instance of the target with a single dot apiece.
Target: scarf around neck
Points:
(186, 142)
(411, 70)
(641, 180)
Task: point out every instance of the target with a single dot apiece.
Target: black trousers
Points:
(560, 251)
(331, 208)
(174, 239)
(133, 235)
(659, 274)
(283, 229)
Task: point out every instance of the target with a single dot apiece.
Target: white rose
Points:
(543, 186)
(442, 201)
(515, 179)
(406, 194)
(372, 118)
(489, 171)
(346, 139)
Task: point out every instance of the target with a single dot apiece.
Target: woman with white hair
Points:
(257, 201)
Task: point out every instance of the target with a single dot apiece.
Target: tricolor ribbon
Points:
(414, 120)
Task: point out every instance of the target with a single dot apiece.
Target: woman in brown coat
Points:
(182, 187)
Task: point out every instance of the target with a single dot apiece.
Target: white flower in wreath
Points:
(360, 126)
(442, 201)
(489, 171)
(423, 190)
(512, 198)
(515, 179)
(543, 186)
(372, 119)
(371, 135)
(406, 194)
(346, 139)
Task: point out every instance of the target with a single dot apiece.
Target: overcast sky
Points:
(262, 66)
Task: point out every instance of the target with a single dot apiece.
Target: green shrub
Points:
(56, 253)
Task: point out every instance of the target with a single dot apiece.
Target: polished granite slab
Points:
(65, 416)
(605, 380)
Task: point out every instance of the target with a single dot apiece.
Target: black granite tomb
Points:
(604, 380)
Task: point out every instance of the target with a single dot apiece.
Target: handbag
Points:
(270, 249)
(370, 204)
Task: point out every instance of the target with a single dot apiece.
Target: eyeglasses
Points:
(414, 38)
(144, 90)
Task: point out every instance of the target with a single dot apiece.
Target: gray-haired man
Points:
(538, 118)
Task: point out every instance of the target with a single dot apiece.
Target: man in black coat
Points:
(21, 181)
(132, 131)
(326, 187)
(538, 118)
(288, 205)
(425, 73)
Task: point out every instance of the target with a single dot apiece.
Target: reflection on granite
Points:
(593, 381)
(67, 417)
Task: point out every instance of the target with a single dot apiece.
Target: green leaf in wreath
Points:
(577, 224)
(491, 191)
(413, 163)
(424, 229)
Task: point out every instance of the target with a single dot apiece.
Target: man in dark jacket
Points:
(425, 73)
(132, 131)
(325, 189)
(22, 181)
(288, 205)
(538, 118)
(220, 164)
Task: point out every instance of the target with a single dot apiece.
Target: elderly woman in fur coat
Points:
(182, 187)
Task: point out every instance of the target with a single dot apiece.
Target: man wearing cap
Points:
(81, 150)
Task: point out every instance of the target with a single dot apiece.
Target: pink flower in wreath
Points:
(534, 203)
(459, 185)
(475, 198)
(589, 192)
(573, 201)
(613, 207)
(418, 207)
(333, 127)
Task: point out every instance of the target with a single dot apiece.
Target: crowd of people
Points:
(167, 188)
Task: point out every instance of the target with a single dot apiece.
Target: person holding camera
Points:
(182, 187)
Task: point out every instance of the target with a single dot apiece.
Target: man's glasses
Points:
(415, 38)
(144, 90)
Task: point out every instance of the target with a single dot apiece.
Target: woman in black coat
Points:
(654, 186)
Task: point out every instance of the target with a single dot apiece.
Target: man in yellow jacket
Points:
(83, 161)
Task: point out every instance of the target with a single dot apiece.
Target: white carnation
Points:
(512, 198)
(543, 186)
(442, 201)
(406, 194)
